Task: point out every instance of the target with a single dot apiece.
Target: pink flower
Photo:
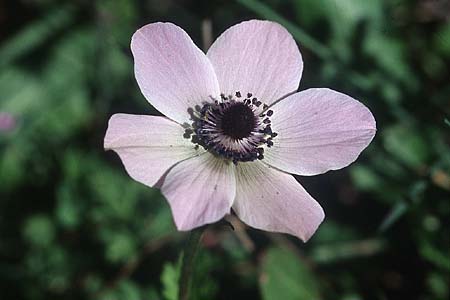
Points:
(7, 122)
(231, 135)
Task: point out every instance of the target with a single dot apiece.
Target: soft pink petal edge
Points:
(258, 57)
(147, 145)
(200, 190)
(172, 72)
(271, 200)
(318, 130)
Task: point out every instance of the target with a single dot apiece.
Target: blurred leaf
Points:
(338, 251)
(393, 216)
(169, 280)
(35, 34)
(299, 34)
(284, 276)
(204, 285)
(331, 231)
(20, 89)
(120, 246)
(39, 231)
(438, 285)
(116, 19)
(442, 40)
(342, 18)
(342, 15)
(390, 54)
(365, 178)
(126, 289)
(67, 210)
(406, 145)
(435, 255)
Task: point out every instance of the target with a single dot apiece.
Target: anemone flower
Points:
(235, 128)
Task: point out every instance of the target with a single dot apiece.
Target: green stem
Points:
(187, 266)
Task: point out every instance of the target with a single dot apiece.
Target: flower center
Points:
(238, 121)
(234, 128)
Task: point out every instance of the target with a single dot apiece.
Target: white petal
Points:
(258, 57)
(171, 71)
(271, 200)
(147, 145)
(200, 190)
(318, 130)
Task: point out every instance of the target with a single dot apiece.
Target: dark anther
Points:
(187, 133)
(198, 108)
(261, 157)
(269, 113)
(265, 106)
(258, 103)
(274, 134)
(249, 95)
(238, 94)
(266, 121)
(194, 139)
(268, 130)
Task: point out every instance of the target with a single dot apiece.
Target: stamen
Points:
(233, 128)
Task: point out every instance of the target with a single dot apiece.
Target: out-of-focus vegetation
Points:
(73, 225)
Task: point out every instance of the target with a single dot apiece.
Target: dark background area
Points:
(73, 225)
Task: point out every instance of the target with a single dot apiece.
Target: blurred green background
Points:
(73, 225)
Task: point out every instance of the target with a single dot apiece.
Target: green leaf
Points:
(442, 40)
(338, 251)
(396, 212)
(435, 255)
(35, 34)
(169, 280)
(406, 145)
(120, 247)
(285, 276)
(365, 178)
(390, 55)
(39, 231)
(68, 210)
(438, 285)
(124, 290)
(299, 34)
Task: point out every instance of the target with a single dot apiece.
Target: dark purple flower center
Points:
(238, 121)
(234, 128)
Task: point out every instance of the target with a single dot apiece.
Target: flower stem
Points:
(187, 265)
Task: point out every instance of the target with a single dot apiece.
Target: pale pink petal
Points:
(258, 57)
(172, 73)
(318, 130)
(200, 190)
(271, 200)
(147, 145)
